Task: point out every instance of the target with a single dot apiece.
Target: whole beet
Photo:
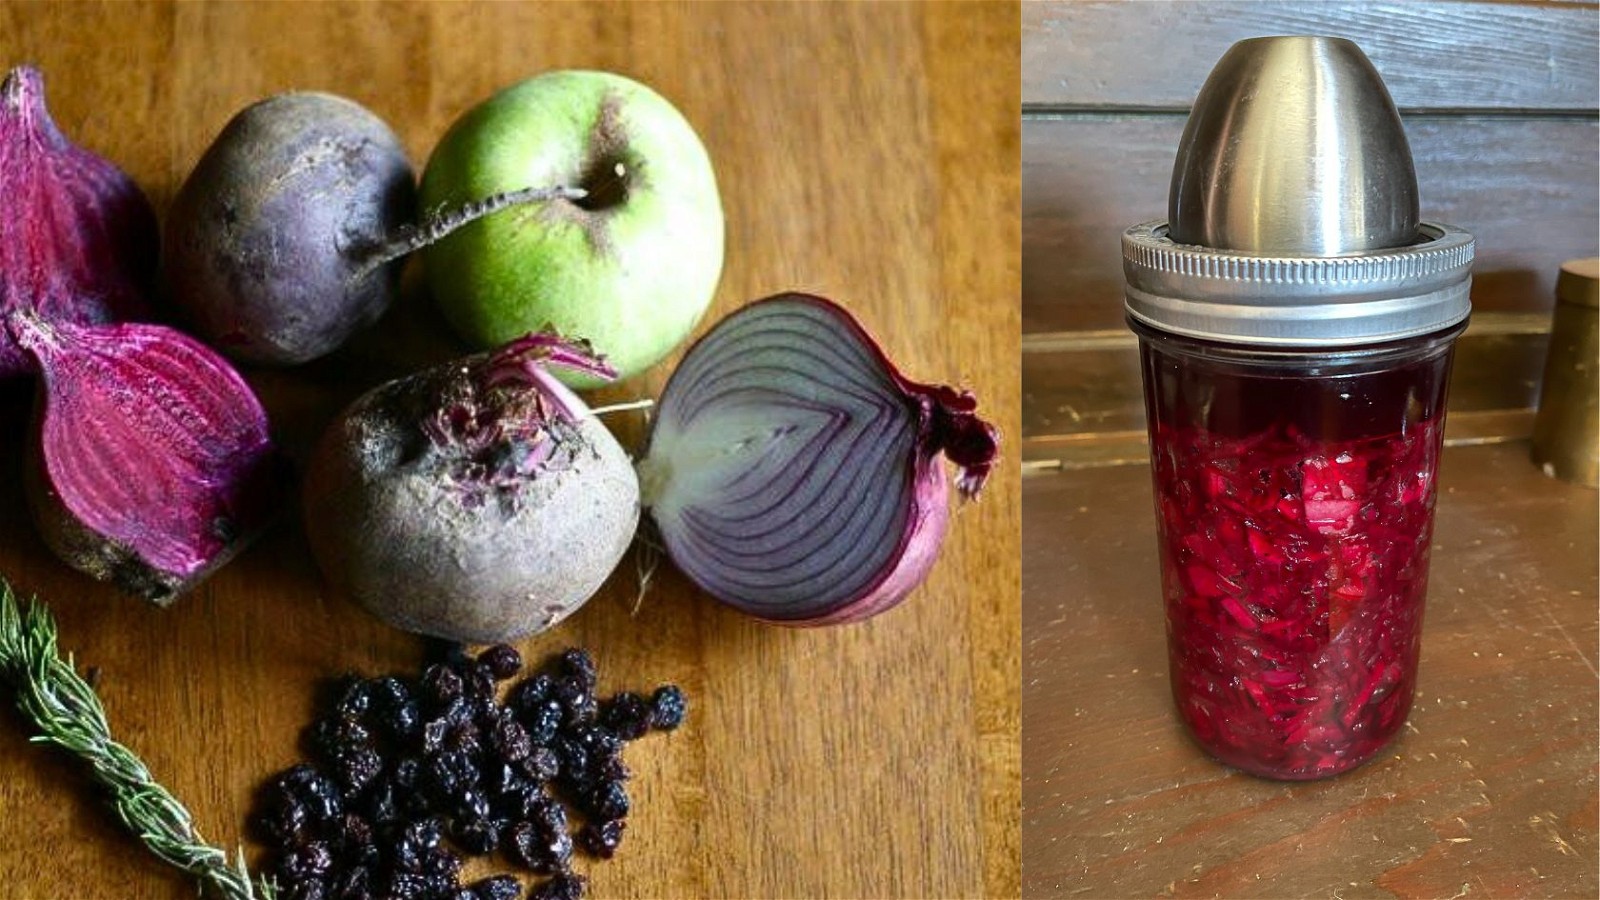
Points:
(268, 244)
(478, 501)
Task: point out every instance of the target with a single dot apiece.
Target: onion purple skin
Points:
(77, 240)
(477, 501)
(809, 367)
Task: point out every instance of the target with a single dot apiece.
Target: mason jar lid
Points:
(1241, 297)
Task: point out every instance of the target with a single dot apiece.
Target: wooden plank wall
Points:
(1500, 102)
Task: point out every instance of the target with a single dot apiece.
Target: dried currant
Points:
(469, 779)
(503, 661)
(608, 800)
(602, 838)
(667, 708)
(500, 887)
(565, 886)
(628, 715)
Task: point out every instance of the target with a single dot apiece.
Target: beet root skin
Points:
(407, 526)
(266, 243)
(77, 240)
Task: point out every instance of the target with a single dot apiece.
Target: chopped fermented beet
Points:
(1294, 630)
(1294, 551)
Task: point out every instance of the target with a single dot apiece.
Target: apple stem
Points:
(435, 227)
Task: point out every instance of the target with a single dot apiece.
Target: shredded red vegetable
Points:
(1294, 497)
(1295, 572)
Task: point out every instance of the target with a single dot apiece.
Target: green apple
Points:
(631, 267)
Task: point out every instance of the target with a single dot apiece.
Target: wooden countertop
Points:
(1489, 792)
(867, 152)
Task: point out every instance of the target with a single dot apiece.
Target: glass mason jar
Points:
(1294, 494)
(1296, 319)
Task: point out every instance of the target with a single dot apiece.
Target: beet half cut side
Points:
(153, 464)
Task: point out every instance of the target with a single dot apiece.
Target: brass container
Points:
(1566, 432)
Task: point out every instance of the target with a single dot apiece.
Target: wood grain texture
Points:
(1490, 792)
(1434, 55)
(980, 289)
(1528, 190)
(864, 151)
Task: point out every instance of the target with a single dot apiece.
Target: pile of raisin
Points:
(406, 777)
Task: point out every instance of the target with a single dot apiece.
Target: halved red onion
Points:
(793, 472)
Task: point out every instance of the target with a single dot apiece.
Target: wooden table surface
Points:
(867, 152)
(1490, 791)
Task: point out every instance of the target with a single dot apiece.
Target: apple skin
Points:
(631, 271)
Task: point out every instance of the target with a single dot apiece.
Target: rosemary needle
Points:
(68, 714)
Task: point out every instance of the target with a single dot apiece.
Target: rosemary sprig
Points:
(68, 714)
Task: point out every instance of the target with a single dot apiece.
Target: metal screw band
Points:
(1315, 301)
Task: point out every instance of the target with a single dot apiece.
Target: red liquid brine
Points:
(1294, 497)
